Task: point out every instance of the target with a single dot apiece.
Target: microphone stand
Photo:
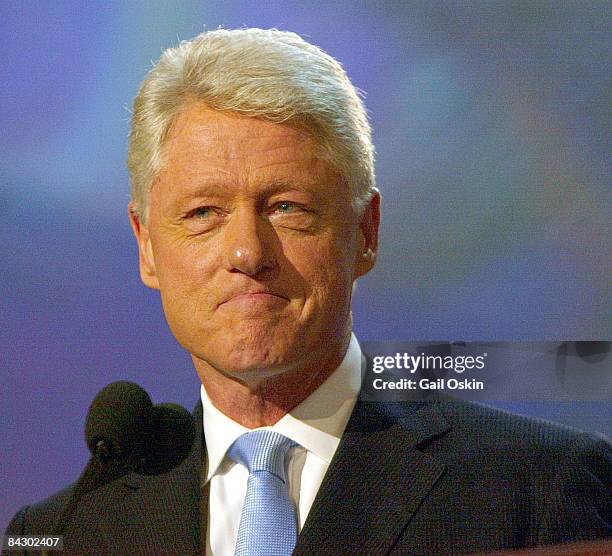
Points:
(101, 469)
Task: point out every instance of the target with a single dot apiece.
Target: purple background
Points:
(491, 125)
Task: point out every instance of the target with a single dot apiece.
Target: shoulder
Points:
(554, 478)
(495, 451)
(491, 429)
(40, 517)
(503, 440)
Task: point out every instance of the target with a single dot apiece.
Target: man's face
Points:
(253, 243)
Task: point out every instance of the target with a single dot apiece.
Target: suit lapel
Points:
(376, 481)
(159, 514)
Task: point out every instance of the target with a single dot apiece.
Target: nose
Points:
(249, 243)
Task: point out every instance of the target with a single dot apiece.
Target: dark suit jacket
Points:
(429, 477)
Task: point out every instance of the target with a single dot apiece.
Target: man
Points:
(255, 210)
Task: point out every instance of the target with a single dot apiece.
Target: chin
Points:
(251, 348)
(257, 346)
(255, 360)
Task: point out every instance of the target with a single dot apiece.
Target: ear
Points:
(145, 251)
(368, 230)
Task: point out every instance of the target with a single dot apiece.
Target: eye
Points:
(205, 212)
(202, 212)
(291, 215)
(286, 207)
(204, 218)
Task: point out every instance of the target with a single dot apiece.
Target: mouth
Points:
(254, 299)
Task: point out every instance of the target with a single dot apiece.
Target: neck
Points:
(264, 403)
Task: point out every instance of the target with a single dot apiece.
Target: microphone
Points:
(126, 433)
(173, 433)
(118, 424)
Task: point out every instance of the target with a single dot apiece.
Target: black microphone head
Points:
(172, 434)
(119, 420)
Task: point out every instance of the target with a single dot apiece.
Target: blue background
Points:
(491, 121)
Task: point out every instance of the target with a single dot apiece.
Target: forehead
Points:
(206, 145)
(200, 127)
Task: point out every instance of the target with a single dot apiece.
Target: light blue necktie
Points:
(268, 524)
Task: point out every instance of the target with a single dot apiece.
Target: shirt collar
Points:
(316, 424)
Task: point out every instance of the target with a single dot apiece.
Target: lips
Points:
(253, 297)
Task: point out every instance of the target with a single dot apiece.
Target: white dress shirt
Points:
(316, 425)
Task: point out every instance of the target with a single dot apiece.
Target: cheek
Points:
(183, 271)
(326, 268)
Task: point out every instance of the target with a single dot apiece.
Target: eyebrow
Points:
(213, 188)
(278, 185)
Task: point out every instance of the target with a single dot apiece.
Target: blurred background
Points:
(491, 122)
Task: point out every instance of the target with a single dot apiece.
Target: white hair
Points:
(268, 74)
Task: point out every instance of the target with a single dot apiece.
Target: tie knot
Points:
(262, 450)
